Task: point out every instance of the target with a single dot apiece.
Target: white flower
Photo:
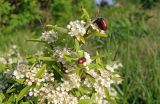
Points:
(77, 28)
(3, 60)
(33, 92)
(108, 67)
(49, 36)
(14, 46)
(59, 54)
(88, 59)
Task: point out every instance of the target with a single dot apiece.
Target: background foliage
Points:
(133, 27)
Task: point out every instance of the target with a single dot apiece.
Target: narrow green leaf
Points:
(98, 60)
(23, 92)
(2, 67)
(46, 58)
(85, 101)
(93, 97)
(100, 34)
(40, 71)
(60, 29)
(84, 90)
(85, 14)
(82, 39)
(77, 47)
(1, 97)
(21, 81)
(36, 40)
(25, 102)
(11, 88)
(58, 70)
(11, 99)
(69, 58)
(117, 79)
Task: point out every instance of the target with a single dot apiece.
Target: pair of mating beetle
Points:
(100, 22)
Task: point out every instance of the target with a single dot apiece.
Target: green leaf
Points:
(117, 79)
(77, 47)
(39, 86)
(82, 39)
(107, 93)
(85, 14)
(40, 71)
(84, 90)
(11, 99)
(23, 92)
(98, 60)
(42, 58)
(25, 102)
(2, 67)
(21, 81)
(60, 29)
(69, 58)
(78, 93)
(11, 89)
(36, 40)
(93, 97)
(111, 101)
(100, 34)
(79, 71)
(58, 70)
(1, 97)
(85, 101)
(46, 58)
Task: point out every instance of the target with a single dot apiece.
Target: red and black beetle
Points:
(81, 60)
(101, 23)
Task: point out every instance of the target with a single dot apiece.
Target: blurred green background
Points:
(134, 26)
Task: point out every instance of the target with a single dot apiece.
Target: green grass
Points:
(141, 59)
(20, 38)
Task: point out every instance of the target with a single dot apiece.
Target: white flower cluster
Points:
(77, 28)
(104, 78)
(3, 60)
(72, 80)
(59, 53)
(55, 95)
(23, 71)
(88, 59)
(58, 93)
(49, 36)
(11, 56)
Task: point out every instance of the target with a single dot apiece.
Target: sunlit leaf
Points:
(60, 29)
(85, 101)
(85, 14)
(69, 58)
(23, 92)
(40, 71)
(77, 47)
(101, 34)
(21, 81)
(82, 39)
(58, 70)
(11, 88)
(1, 97)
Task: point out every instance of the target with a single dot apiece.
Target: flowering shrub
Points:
(62, 74)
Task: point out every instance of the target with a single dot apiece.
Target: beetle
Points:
(101, 23)
(81, 60)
